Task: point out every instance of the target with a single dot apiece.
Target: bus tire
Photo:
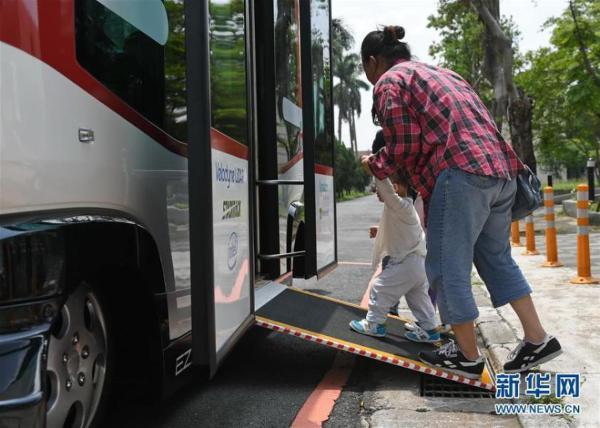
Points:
(80, 360)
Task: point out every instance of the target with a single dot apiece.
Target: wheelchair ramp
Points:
(325, 321)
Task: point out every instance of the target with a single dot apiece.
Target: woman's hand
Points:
(364, 161)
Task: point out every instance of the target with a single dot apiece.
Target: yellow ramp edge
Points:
(485, 382)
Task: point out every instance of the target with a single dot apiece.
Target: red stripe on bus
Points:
(46, 30)
(226, 144)
(238, 286)
(284, 277)
(293, 161)
(323, 169)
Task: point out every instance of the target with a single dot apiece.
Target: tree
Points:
(562, 81)
(346, 92)
(460, 47)
(480, 45)
(342, 39)
(581, 40)
(498, 67)
(347, 95)
(349, 174)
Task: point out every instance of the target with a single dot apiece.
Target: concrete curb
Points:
(499, 339)
(570, 208)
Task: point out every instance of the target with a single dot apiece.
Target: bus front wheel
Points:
(80, 360)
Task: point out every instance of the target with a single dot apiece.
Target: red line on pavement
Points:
(319, 404)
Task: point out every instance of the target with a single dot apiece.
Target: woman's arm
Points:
(401, 131)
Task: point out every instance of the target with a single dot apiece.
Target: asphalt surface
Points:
(268, 376)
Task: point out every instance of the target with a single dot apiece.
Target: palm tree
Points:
(347, 94)
(342, 41)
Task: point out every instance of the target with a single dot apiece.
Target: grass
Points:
(567, 186)
(351, 195)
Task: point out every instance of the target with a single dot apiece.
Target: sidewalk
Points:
(569, 312)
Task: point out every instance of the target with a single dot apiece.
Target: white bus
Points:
(161, 163)
(166, 170)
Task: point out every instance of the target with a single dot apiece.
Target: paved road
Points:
(268, 377)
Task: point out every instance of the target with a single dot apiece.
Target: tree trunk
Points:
(520, 113)
(352, 126)
(339, 124)
(498, 69)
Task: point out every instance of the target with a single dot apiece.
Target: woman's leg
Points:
(502, 276)
(532, 327)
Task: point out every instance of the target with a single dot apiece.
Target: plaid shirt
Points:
(433, 120)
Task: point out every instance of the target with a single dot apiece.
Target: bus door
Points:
(296, 223)
(220, 174)
(294, 140)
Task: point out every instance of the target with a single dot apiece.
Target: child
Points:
(400, 246)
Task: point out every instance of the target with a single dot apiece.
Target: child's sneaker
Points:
(442, 328)
(411, 326)
(369, 328)
(421, 335)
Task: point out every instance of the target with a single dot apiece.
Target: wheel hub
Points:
(76, 361)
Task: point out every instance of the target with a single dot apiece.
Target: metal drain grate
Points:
(436, 387)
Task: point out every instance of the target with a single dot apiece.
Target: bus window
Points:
(228, 69)
(123, 45)
(288, 91)
(151, 19)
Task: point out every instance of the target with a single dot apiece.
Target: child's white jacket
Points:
(400, 232)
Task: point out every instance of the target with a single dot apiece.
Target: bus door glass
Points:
(280, 140)
(294, 144)
(289, 126)
(230, 159)
(323, 135)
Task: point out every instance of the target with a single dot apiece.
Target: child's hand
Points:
(373, 231)
(364, 161)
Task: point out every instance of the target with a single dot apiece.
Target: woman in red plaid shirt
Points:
(438, 130)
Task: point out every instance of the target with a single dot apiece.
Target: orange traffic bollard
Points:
(551, 246)
(584, 270)
(515, 234)
(530, 237)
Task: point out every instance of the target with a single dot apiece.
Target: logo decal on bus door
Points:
(231, 209)
(232, 250)
(229, 175)
(183, 361)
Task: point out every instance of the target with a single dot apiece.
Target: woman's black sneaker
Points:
(450, 358)
(527, 355)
